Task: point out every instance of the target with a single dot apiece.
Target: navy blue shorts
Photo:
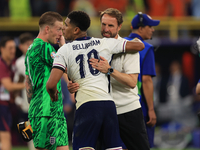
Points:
(96, 119)
(5, 118)
(150, 132)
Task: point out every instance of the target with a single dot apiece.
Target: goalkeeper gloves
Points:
(25, 130)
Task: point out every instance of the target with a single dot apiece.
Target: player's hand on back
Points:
(102, 65)
(72, 87)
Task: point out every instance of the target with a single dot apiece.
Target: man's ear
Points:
(140, 29)
(131, 28)
(76, 30)
(47, 28)
(119, 27)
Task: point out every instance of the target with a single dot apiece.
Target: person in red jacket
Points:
(7, 49)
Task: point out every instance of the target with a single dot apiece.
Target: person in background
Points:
(198, 48)
(7, 86)
(142, 28)
(25, 40)
(175, 105)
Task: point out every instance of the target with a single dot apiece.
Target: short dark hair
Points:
(49, 18)
(79, 19)
(113, 13)
(4, 40)
(24, 37)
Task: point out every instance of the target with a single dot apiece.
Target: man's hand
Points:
(72, 87)
(101, 65)
(61, 41)
(152, 118)
(136, 40)
(25, 130)
(54, 97)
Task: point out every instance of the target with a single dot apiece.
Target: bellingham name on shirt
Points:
(85, 45)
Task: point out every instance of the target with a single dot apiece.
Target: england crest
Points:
(52, 140)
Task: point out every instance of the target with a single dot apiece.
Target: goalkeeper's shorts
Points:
(49, 132)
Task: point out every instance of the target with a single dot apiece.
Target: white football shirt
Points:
(20, 70)
(93, 85)
(126, 99)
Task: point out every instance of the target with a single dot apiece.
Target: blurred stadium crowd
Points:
(177, 64)
(127, 7)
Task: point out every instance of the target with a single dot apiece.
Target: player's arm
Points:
(198, 88)
(11, 86)
(147, 85)
(51, 85)
(29, 88)
(65, 77)
(134, 45)
(129, 80)
(72, 87)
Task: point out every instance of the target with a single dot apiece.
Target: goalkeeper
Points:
(46, 117)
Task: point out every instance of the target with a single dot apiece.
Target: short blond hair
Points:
(49, 18)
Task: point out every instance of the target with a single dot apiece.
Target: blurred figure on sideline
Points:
(177, 105)
(25, 40)
(174, 111)
(198, 84)
(7, 86)
(142, 28)
(195, 5)
(41, 6)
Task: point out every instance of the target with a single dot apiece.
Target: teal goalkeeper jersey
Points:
(38, 62)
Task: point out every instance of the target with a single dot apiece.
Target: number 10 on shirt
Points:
(80, 59)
